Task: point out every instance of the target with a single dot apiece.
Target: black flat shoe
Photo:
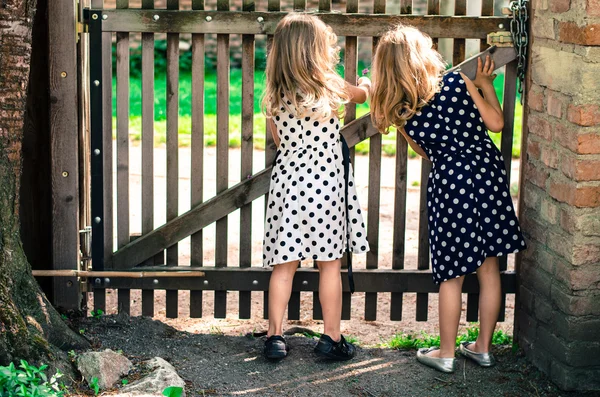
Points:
(340, 351)
(276, 348)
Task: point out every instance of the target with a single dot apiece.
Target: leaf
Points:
(173, 391)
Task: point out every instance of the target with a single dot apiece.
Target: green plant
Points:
(352, 339)
(415, 183)
(72, 354)
(94, 386)
(409, 341)
(97, 313)
(82, 331)
(124, 382)
(29, 381)
(173, 391)
(64, 317)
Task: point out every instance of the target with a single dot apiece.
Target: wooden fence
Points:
(157, 248)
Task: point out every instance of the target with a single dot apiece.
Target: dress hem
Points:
(281, 261)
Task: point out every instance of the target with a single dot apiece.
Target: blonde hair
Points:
(301, 68)
(407, 73)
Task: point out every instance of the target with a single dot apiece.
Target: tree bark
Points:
(30, 328)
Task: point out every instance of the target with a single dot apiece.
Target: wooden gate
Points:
(157, 248)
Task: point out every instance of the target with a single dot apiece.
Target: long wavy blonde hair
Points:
(407, 73)
(301, 68)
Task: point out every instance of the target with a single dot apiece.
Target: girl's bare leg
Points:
(280, 289)
(330, 295)
(490, 293)
(450, 303)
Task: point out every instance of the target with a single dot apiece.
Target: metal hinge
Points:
(500, 39)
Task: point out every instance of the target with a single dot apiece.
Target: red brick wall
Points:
(559, 295)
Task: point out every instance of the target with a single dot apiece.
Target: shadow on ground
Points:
(218, 365)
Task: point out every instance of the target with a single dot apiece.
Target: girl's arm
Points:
(360, 93)
(488, 104)
(413, 144)
(273, 130)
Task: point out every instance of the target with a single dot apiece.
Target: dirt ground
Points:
(368, 332)
(213, 364)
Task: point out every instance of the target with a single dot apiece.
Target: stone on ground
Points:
(107, 366)
(163, 375)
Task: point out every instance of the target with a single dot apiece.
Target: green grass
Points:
(235, 119)
(413, 342)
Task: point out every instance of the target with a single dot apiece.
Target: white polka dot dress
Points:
(470, 211)
(306, 213)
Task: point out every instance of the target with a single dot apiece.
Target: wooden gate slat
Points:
(367, 25)
(350, 72)
(221, 247)
(487, 9)
(510, 98)
(374, 199)
(247, 150)
(399, 227)
(172, 296)
(433, 8)
(148, 147)
(197, 171)
(398, 244)
(270, 148)
(123, 233)
(458, 53)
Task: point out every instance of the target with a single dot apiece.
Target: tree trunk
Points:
(30, 328)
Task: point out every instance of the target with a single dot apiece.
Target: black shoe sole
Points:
(332, 356)
(276, 355)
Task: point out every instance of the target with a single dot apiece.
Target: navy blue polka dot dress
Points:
(471, 215)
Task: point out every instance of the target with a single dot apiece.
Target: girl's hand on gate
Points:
(485, 73)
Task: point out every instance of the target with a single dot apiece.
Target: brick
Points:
(574, 194)
(566, 136)
(533, 228)
(527, 328)
(568, 220)
(586, 253)
(535, 100)
(562, 244)
(536, 279)
(574, 305)
(571, 378)
(592, 8)
(526, 299)
(570, 32)
(556, 104)
(541, 5)
(533, 149)
(543, 311)
(580, 169)
(565, 72)
(540, 127)
(577, 328)
(531, 196)
(590, 224)
(584, 115)
(588, 144)
(543, 28)
(559, 5)
(538, 175)
(578, 278)
(549, 157)
(549, 211)
(541, 358)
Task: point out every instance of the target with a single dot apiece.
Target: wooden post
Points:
(62, 61)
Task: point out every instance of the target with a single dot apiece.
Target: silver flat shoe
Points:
(482, 359)
(447, 365)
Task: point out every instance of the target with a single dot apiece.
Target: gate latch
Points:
(500, 39)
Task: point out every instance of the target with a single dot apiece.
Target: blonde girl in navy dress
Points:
(471, 218)
(307, 216)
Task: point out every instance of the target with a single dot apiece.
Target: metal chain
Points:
(518, 29)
